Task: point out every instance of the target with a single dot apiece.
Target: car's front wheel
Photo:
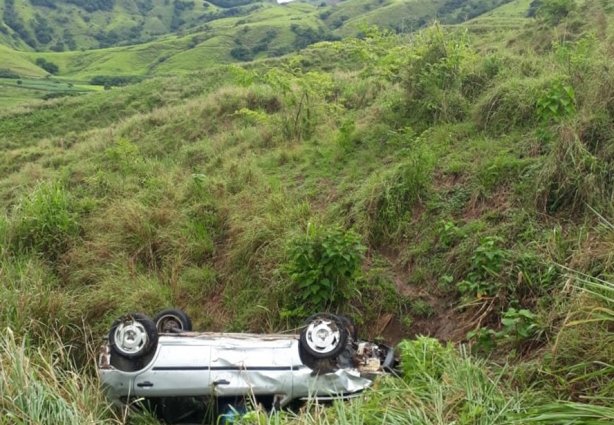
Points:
(133, 336)
(324, 336)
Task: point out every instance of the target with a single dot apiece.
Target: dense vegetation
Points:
(456, 183)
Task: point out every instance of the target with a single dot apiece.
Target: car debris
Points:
(161, 360)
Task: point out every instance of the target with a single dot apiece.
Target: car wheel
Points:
(324, 336)
(346, 321)
(172, 320)
(133, 336)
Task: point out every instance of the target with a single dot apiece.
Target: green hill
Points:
(76, 24)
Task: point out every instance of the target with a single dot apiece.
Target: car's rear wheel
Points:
(172, 320)
(324, 336)
(133, 336)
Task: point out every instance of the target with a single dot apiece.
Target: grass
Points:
(42, 385)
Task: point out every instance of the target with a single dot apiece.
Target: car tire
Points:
(324, 336)
(172, 320)
(133, 336)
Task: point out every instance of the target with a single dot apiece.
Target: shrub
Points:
(50, 67)
(434, 76)
(482, 279)
(45, 221)
(553, 11)
(323, 264)
(7, 73)
(556, 102)
(114, 80)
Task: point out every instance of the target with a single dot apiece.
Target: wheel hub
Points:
(323, 336)
(130, 337)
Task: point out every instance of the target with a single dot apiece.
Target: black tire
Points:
(172, 320)
(146, 336)
(335, 325)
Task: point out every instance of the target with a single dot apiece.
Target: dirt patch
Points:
(495, 203)
(445, 322)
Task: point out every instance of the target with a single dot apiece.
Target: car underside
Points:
(180, 374)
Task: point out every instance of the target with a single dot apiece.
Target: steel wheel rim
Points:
(130, 337)
(322, 336)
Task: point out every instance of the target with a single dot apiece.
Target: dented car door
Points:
(178, 369)
(252, 366)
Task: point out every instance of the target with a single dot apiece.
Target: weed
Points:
(39, 387)
(449, 233)
(421, 308)
(424, 359)
(486, 263)
(518, 325)
(556, 103)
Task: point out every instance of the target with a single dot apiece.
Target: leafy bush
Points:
(556, 102)
(518, 326)
(45, 221)
(324, 265)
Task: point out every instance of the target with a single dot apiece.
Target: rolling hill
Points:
(159, 37)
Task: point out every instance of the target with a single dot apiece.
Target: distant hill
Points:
(76, 43)
(85, 24)
(67, 25)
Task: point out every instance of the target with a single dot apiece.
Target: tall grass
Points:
(450, 387)
(41, 385)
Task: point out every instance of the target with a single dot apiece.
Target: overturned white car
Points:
(162, 359)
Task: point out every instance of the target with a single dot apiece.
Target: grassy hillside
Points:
(474, 180)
